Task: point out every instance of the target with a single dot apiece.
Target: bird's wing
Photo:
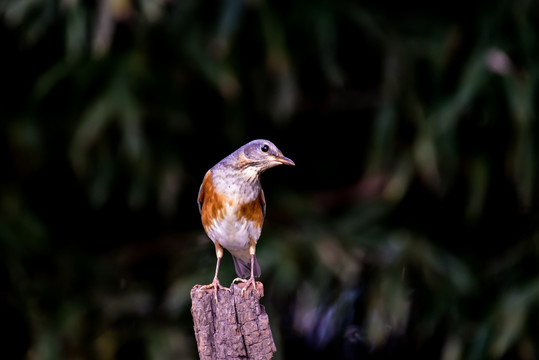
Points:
(262, 200)
(201, 192)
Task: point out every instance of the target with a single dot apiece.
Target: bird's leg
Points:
(215, 283)
(251, 280)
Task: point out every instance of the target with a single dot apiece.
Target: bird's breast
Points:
(235, 225)
(231, 216)
(235, 185)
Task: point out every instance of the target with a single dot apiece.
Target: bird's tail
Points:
(243, 268)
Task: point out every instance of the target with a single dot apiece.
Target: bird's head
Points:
(260, 155)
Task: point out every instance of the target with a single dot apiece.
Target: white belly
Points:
(233, 232)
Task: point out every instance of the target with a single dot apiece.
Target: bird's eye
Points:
(264, 148)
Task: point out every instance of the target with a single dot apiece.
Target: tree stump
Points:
(235, 327)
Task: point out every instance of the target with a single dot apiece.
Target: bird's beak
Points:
(284, 160)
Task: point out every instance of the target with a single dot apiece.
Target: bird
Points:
(232, 206)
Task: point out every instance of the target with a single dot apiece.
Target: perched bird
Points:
(232, 206)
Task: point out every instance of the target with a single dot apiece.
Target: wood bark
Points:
(234, 327)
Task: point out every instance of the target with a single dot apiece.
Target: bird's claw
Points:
(250, 281)
(215, 285)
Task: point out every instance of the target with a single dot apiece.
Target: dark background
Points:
(407, 228)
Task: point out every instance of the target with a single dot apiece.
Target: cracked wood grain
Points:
(235, 327)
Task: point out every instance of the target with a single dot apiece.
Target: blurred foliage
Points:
(408, 226)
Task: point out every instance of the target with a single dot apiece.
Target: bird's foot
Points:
(250, 281)
(215, 285)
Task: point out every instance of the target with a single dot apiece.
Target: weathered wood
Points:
(235, 327)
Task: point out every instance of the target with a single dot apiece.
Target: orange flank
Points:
(211, 203)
